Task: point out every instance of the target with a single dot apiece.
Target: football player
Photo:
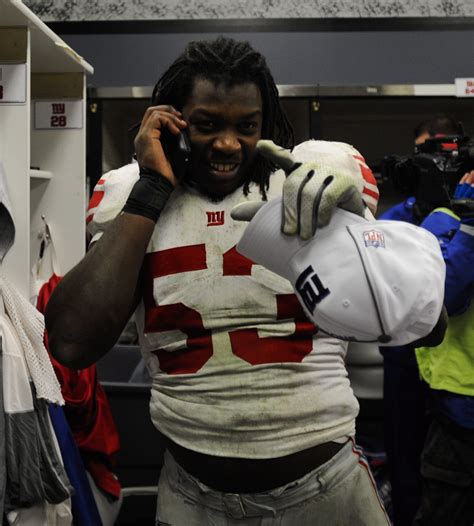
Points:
(254, 404)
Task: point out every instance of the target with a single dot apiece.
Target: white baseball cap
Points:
(358, 280)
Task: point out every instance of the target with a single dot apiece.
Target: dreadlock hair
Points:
(231, 62)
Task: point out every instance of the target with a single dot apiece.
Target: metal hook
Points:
(47, 232)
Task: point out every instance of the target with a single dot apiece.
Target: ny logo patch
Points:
(58, 108)
(310, 289)
(215, 218)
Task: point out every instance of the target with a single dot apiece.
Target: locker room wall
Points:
(333, 58)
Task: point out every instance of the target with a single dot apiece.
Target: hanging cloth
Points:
(87, 409)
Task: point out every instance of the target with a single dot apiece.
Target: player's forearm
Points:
(93, 302)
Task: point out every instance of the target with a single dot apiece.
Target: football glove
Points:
(311, 191)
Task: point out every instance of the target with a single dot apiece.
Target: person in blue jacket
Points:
(406, 419)
(447, 460)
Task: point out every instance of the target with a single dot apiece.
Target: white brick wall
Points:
(95, 10)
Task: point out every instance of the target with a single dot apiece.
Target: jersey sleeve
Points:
(109, 197)
(457, 245)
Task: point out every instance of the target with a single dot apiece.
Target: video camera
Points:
(432, 173)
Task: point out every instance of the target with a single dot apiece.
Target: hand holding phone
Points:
(158, 144)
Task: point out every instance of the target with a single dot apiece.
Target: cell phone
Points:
(178, 151)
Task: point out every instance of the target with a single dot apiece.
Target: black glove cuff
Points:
(149, 194)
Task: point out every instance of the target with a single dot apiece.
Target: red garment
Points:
(87, 411)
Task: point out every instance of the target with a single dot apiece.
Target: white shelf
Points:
(40, 174)
(55, 73)
(49, 53)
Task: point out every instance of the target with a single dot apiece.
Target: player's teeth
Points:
(223, 167)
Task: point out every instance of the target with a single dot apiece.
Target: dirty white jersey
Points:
(237, 369)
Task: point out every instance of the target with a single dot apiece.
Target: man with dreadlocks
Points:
(254, 405)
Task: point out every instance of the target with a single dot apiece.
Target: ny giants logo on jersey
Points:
(373, 238)
(215, 218)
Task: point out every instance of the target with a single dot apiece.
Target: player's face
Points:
(225, 123)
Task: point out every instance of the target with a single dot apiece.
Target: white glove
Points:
(311, 191)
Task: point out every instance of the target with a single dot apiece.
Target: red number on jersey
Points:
(161, 318)
(246, 343)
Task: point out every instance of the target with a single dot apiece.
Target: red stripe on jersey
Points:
(366, 171)
(177, 260)
(96, 198)
(234, 264)
(370, 183)
(372, 193)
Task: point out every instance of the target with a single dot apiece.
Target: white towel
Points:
(29, 326)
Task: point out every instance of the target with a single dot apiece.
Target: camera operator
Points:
(444, 392)
(401, 171)
(447, 460)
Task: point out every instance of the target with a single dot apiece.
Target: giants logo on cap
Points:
(310, 288)
(373, 238)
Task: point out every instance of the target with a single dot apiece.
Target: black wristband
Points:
(149, 194)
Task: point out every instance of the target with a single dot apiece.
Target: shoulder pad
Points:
(109, 197)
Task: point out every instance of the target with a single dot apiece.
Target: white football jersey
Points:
(237, 369)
